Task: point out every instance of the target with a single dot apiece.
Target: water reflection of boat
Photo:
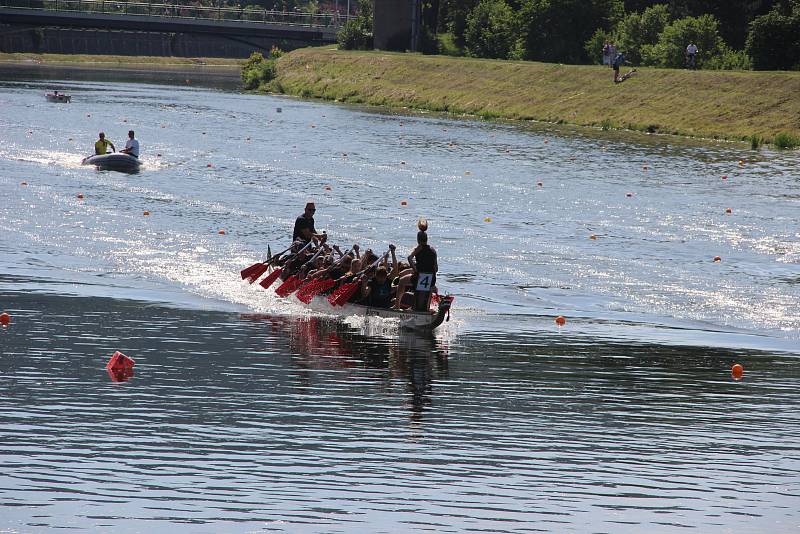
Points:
(114, 162)
(58, 98)
(408, 320)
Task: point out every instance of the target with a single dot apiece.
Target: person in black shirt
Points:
(304, 224)
(422, 280)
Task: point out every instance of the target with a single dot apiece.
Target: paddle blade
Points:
(271, 277)
(305, 289)
(255, 275)
(288, 286)
(248, 272)
(348, 291)
(321, 287)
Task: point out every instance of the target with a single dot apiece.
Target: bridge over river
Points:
(137, 28)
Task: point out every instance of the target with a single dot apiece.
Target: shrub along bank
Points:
(718, 104)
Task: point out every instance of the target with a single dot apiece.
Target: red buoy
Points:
(737, 371)
(120, 362)
(560, 320)
(5, 319)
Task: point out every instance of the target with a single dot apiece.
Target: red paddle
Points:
(261, 267)
(266, 282)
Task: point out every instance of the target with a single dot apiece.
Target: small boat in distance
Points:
(55, 96)
(114, 162)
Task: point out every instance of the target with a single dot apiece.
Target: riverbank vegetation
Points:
(712, 104)
(133, 61)
(731, 35)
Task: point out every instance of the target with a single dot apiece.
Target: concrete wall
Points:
(130, 43)
(392, 24)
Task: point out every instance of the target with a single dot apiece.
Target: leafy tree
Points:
(639, 30)
(557, 30)
(356, 34)
(774, 39)
(491, 30)
(594, 46)
(453, 16)
(670, 49)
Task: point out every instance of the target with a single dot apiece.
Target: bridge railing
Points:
(237, 14)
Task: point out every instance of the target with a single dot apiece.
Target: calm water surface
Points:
(246, 414)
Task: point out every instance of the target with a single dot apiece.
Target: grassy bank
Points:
(714, 104)
(118, 61)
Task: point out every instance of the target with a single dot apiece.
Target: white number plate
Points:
(424, 281)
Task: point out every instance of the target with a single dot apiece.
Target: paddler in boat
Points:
(376, 290)
(102, 144)
(422, 279)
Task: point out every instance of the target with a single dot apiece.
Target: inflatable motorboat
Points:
(115, 161)
(58, 97)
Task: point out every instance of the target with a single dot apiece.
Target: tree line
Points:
(730, 34)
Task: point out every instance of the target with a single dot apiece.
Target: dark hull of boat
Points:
(62, 99)
(114, 162)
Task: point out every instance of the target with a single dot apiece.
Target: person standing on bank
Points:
(131, 146)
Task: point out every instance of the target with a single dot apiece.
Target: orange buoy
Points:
(80, 196)
(146, 213)
(737, 371)
(221, 232)
(717, 258)
(560, 320)
(724, 176)
(5, 319)
(728, 210)
(593, 237)
(209, 165)
(119, 362)
(403, 203)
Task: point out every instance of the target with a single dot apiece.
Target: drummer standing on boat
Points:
(102, 144)
(304, 225)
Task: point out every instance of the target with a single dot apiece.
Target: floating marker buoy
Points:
(487, 219)
(540, 184)
(209, 165)
(467, 173)
(560, 320)
(644, 167)
(741, 162)
(629, 194)
(593, 237)
(70, 139)
(728, 210)
(5, 319)
(402, 163)
(422, 224)
(546, 141)
(80, 196)
(344, 154)
(124, 120)
(23, 183)
(221, 232)
(401, 124)
(312, 126)
(403, 203)
(327, 188)
(717, 258)
(724, 176)
(146, 213)
(247, 139)
(119, 362)
(737, 371)
(88, 114)
(158, 155)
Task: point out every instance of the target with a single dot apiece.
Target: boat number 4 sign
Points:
(424, 281)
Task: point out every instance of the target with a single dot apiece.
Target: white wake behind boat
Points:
(409, 320)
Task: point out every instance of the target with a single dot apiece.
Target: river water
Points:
(248, 414)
